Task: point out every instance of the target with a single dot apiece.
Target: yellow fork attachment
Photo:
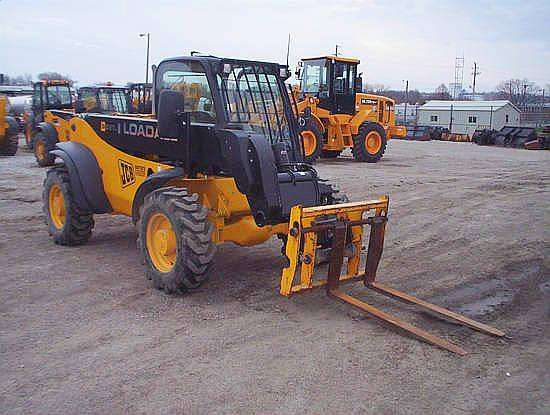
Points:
(345, 224)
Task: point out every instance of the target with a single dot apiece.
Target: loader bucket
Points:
(344, 224)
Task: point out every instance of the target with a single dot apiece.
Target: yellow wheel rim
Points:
(56, 201)
(373, 142)
(310, 142)
(161, 242)
(40, 150)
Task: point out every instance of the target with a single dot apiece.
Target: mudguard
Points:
(154, 181)
(85, 176)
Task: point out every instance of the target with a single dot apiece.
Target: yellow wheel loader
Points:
(8, 130)
(221, 162)
(52, 106)
(338, 115)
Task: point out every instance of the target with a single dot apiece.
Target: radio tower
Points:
(456, 86)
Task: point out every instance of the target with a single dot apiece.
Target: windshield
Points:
(253, 97)
(314, 77)
(59, 95)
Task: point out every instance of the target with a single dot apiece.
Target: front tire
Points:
(370, 143)
(67, 223)
(175, 240)
(312, 139)
(42, 149)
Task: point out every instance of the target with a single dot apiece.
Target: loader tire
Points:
(330, 154)
(42, 148)
(312, 139)
(11, 142)
(67, 223)
(175, 239)
(370, 143)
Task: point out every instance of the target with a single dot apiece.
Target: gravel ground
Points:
(82, 331)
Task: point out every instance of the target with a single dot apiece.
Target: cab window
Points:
(58, 95)
(314, 77)
(190, 80)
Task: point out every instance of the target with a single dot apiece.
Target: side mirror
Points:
(169, 113)
(359, 84)
(298, 73)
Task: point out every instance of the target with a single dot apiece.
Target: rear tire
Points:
(67, 223)
(42, 148)
(175, 240)
(11, 142)
(370, 143)
(312, 138)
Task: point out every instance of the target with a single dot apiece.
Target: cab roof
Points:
(336, 58)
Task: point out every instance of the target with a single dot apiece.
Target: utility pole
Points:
(524, 97)
(147, 59)
(406, 100)
(475, 73)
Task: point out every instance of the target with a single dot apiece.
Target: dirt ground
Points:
(82, 330)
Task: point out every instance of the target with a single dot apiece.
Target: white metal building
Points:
(411, 113)
(464, 117)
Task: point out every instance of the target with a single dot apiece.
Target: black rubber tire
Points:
(78, 226)
(195, 249)
(330, 154)
(359, 149)
(10, 144)
(46, 159)
(312, 126)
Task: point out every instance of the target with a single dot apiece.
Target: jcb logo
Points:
(126, 170)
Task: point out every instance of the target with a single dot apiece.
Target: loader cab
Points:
(103, 99)
(247, 96)
(51, 94)
(333, 80)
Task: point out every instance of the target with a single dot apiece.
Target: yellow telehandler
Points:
(338, 115)
(221, 162)
(8, 130)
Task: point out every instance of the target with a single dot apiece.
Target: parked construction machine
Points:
(52, 105)
(8, 130)
(338, 115)
(221, 162)
(141, 101)
(104, 99)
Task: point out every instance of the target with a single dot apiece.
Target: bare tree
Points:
(44, 76)
(442, 92)
(376, 88)
(517, 91)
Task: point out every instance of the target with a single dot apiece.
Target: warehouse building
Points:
(464, 117)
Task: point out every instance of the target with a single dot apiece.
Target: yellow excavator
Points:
(221, 161)
(338, 115)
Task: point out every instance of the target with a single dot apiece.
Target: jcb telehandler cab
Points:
(8, 130)
(339, 115)
(44, 127)
(221, 163)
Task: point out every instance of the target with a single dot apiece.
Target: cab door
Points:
(344, 87)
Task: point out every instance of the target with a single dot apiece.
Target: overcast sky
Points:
(96, 41)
